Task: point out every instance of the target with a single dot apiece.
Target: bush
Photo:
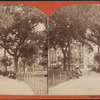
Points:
(12, 75)
(5, 73)
(94, 69)
(1, 72)
(98, 70)
(56, 67)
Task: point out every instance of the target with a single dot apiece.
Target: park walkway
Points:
(14, 87)
(88, 84)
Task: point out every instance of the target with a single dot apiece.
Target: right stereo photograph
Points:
(74, 50)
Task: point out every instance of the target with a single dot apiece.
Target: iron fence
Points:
(38, 83)
(57, 76)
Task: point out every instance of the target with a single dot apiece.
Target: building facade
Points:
(81, 56)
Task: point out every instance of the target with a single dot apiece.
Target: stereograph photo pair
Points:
(58, 55)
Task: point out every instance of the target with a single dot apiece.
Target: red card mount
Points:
(48, 7)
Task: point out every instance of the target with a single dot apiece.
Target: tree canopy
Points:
(20, 30)
(71, 23)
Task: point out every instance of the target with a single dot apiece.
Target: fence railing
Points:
(38, 83)
(57, 76)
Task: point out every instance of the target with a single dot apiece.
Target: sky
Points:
(40, 27)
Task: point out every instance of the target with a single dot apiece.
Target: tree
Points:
(6, 62)
(94, 26)
(66, 25)
(6, 20)
(44, 50)
(28, 54)
(22, 30)
(44, 63)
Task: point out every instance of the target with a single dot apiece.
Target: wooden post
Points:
(23, 76)
(65, 75)
(60, 76)
(31, 78)
(27, 77)
(53, 78)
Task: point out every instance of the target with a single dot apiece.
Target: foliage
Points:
(44, 62)
(94, 23)
(97, 57)
(6, 61)
(21, 31)
(67, 25)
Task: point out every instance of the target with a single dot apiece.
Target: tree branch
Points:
(10, 52)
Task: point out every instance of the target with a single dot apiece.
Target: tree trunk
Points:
(64, 64)
(16, 64)
(24, 65)
(5, 68)
(69, 56)
(5, 53)
(5, 59)
(64, 60)
(98, 49)
(99, 54)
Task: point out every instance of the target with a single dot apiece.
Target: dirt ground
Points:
(88, 84)
(14, 87)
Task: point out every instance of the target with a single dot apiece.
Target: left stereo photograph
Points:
(23, 50)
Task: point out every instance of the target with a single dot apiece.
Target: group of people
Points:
(76, 72)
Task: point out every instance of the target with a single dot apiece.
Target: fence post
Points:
(27, 77)
(23, 76)
(65, 75)
(60, 76)
(53, 78)
(40, 87)
(32, 79)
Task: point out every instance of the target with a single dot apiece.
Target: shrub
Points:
(98, 70)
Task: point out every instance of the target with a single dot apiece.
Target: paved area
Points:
(14, 87)
(89, 84)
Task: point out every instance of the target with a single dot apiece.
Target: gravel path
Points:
(14, 87)
(89, 84)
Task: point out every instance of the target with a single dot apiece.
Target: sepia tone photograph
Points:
(23, 50)
(74, 50)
